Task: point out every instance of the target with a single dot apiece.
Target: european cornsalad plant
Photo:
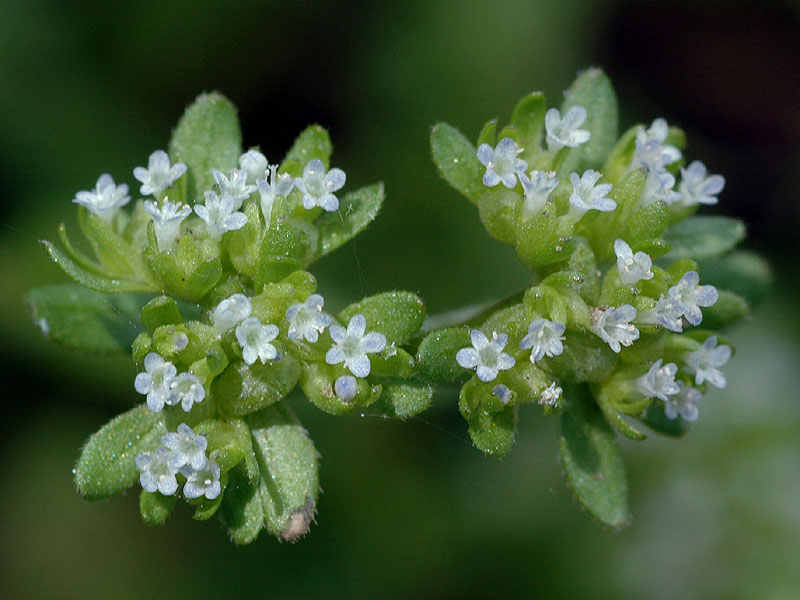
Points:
(204, 279)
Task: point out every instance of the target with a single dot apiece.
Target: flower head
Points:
(317, 186)
(105, 199)
(255, 338)
(632, 267)
(551, 395)
(486, 356)
(565, 131)
(155, 381)
(306, 320)
(668, 313)
(502, 393)
(220, 215)
(651, 150)
(587, 195)
(536, 189)
(697, 187)
(544, 339)
(658, 188)
(502, 163)
(278, 185)
(230, 312)
(254, 164)
(202, 482)
(684, 403)
(353, 345)
(156, 474)
(234, 186)
(690, 295)
(186, 390)
(346, 388)
(159, 174)
(614, 326)
(167, 220)
(185, 448)
(659, 382)
(706, 360)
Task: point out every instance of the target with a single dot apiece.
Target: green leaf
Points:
(243, 389)
(488, 134)
(289, 483)
(356, 211)
(84, 319)
(592, 461)
(703, 237)
(207, 137)
(492, 427)
(456, 161)
(528, 119)
(107, 464)
(313, 142)
(318, 382)
(436, 355)
(155, 507)
(161, 310)
(585, 358)
(397, 315)
(742, 272)
(404, 398)
(242, 507)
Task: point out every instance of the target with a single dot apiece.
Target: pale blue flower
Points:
(254, 339)
(346, 388)
(614, 326)
(202, 482)
(317, 186)
(105, 199)
(352, 346)
(278, 185)
(306, 319)
(706, 360)
(159, 174)
(254, 164)
(502, 163)
(659, 382)
(220, 214)
(544, 338)
(167, 220)
(185, 448)
(156, 475)
(565, 131)
(587, 195)
(234, 186)
(155, 381)
(230, 312)
(186, 390)
(632, 267)
(551, 395)
(486, 356)
(652, 151)
(697, 187)
(536, 189)
(691, 296)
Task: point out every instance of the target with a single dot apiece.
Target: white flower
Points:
(155, 380)
(659, 382)
(486, 356)
(667, 313)
(156, 474)
(651, 150)
(536, 189)
(202, 482)
(658, 188)
(692, 296)
(697, 187)
(587, 195)
(502, 163)
(632, 267)
(352, 346)
(346, 388)
(318, 187)
(502, 393)
(234, 186)
(167, 220)
(544, 339)
(278, 185)
(186, 390)
(551, 395)
(185, 448)
(684, 403)
(105, 199)
(306, 320)
(706, 360)
(158, 175)
(254, 164)
(230, 312)
(255, 338)
(564, 131)
(219, 213)
(614, 326)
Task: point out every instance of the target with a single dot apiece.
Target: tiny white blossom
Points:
(632, 267)
(697, 187)
(186, 390)
(159, 174)
(684, 403)
(167, 220)
(614, 326)
(306, 319)
(658, 187)
(536, 189)
(353, 345)
(278, 185)
(185, 448)
(544, 339)
(502, 393)
(587, 195)
(202, 482)
(230, 312)
(346, 387)
(317, 186)
(551, 395)
(155, 380)
(156, 474)
(691, 296)
(105, 199)
(220, 215)
(502, 163)
(706, 360)
(234, 186)
(565, 131)
(652, 152)
(254, 164)
(667, 313)
(255, 338)
(486, 356)
(659, 382)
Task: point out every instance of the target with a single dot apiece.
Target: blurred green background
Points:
(409, 509)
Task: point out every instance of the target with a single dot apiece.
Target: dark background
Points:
(409, 509)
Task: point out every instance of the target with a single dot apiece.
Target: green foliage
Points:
(704, 237)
